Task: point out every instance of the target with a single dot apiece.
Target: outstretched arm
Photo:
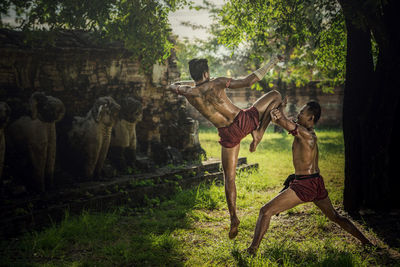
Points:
(187, 82)
(254, 77)
(293, 128)
(184, 90)
(280, 119)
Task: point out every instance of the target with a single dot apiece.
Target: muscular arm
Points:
(248, 81)
(280, 119)
(252, 78)
(184, 90)
(188, 82)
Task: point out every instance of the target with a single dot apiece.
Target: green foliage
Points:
(208, 197)
(142, 25)
(247, 33)
(219, 60)
(330, 55)
(185, 51)
(311, 32)
(179, 177)
(142, 182)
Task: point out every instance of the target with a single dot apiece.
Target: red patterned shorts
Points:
(243, 124)
(309, 187)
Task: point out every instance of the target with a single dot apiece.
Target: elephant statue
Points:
(123, 139)
(4, 117)
(89, 138)
(192, 150)
(33, 138)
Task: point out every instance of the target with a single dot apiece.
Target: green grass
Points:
(191, 228)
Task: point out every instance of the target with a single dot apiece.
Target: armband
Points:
(261, 72)
(294, 132)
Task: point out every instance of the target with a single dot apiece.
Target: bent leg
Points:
(284, 201)
(264, 105)
(326, 207)
(229, 158)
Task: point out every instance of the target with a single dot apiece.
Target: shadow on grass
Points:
(278, 254)
(386, 225)
(123, 237)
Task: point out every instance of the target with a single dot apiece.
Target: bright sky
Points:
(200, 17)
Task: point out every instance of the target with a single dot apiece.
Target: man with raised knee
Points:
(209, 97)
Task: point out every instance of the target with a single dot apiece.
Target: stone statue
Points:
(89, 138)
(4, 117)
(192, 150)
(123, 140)
(34, 139)
(182, 132)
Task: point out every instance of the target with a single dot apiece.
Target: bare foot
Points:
(234, 228)
(257, 136)
(252, 251)
(368, 244)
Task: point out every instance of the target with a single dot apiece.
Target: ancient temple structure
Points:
(76, 69)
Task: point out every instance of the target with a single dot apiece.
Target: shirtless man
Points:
(208, 96)
(307, 184)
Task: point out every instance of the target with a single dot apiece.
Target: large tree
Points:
(371, 104)
(369, 61)
(142, 25)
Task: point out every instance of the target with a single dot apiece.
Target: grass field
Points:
(191, 229)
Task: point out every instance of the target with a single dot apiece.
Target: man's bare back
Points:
(210, 99)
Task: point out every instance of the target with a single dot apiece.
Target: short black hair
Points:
(197, 67)
(315, 109)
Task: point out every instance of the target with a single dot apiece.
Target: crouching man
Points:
(308, 184)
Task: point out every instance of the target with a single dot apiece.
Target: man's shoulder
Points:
(220, 82)
(306, 134)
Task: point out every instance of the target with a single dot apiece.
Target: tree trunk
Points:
(383, 183)
(359, 70)
(370, 110)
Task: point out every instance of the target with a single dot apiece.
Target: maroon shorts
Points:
(243, 124)
(309, 187)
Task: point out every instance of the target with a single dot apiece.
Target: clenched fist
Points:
(275, 115)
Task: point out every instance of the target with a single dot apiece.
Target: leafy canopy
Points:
(221, 60)
(142, 25)
(312, 32)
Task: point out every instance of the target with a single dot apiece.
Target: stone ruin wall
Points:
(77, 73)
(331, 103)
